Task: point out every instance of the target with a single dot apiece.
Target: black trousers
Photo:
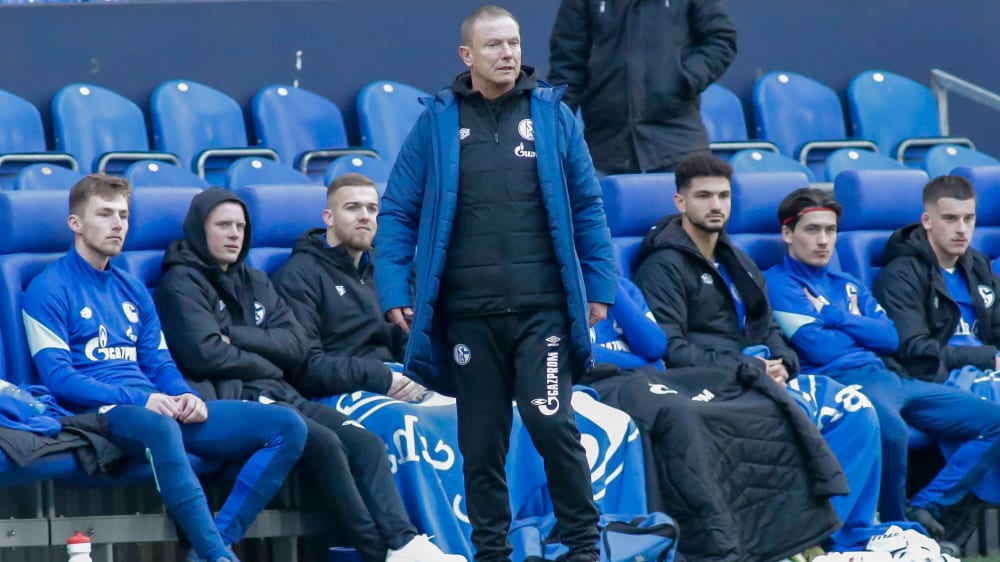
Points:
(348, 467)
(523, 356)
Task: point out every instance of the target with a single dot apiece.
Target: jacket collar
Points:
(87, 272)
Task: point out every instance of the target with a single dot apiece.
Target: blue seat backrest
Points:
(156, 217)
(268, 260)
(20, 125)
(634, 202)
(44, 177)
(145, 265)
(89, 121)
(293, 120)
(189, 117)
(722, 113)
(879, 199)
(986, 180)
(375, 169)
(791, 109)
(258, 171)
(756, 197)
(861, 252)
(626, 250)
(280, 214)
(943, 158)
(16, 273)
(386, 113)
(757, 161)
(887, 108)
(855, 159)
(153, 173)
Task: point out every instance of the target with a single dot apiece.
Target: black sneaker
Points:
(927, 520)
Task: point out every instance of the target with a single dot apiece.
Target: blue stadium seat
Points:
(854, 159)
(156, 217)
(802, 117)
(875, 202)
(942, 159)
(986, 180)
(725, 123)
(268, 260)
(202, 126)
(753, 224)
(45, 177)
(144, 265)
(760, 161)
(896, 113)
(151, 173)
(279, 214)
(375, 169)
(633, 203)
(255, 171)
(103, 130)
(22, 139)
(306, 129)
(386, 113)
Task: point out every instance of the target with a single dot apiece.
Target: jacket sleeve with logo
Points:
(325, 373)
(186, 303)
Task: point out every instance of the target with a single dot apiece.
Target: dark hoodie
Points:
(198, 303)
(912, 290)
(348, 339)
(692, 304)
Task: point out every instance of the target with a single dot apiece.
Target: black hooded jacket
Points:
(637, 68)
(693, 305)
(199, 303)
(912, 290)
(348, 339)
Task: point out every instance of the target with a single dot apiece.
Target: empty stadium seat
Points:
(268, 260)
(386, 113)
(103, 130)
(22, 139)
(875, 202)
(942, 159)
(150, 173)
(802, 117)
(255, 171)
(202, 126)
(306, 129)
(760, 161)
(725, 123)
(279, 214)
(986, 180)
(896, 113)
(633, 203)
(156, 217)
(753, 224)
(46, 177)
(375, 169)
(854, 159)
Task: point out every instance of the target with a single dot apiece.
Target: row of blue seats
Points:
(249, 170)
(201, 128)
(875, 202)
(803, 119)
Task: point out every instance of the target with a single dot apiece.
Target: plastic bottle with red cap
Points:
(78, 548)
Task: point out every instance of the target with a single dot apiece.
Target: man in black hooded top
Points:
(234, 337)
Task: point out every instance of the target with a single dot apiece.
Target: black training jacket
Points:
(692, 304)
(348, 340)
(637, 68)
(912, 290)
(198, 303)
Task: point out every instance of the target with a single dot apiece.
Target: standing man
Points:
(637, 69)
(95, 339)
(494, 195)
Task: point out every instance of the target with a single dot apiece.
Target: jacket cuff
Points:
(832, 316)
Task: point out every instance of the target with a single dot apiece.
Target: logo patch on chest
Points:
(986, 292)
(526, 128)
(258, 313)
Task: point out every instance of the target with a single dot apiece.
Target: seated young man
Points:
(95, 338)
(840, 330)
(710, 300)
(238, 338)
(329, 282)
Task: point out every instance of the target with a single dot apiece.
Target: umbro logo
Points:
(341, 290)
(704, 396)
(464, 133)
(553, 341)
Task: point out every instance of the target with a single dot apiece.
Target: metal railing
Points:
(942, 83)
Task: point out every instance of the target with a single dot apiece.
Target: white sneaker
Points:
(421, 549)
